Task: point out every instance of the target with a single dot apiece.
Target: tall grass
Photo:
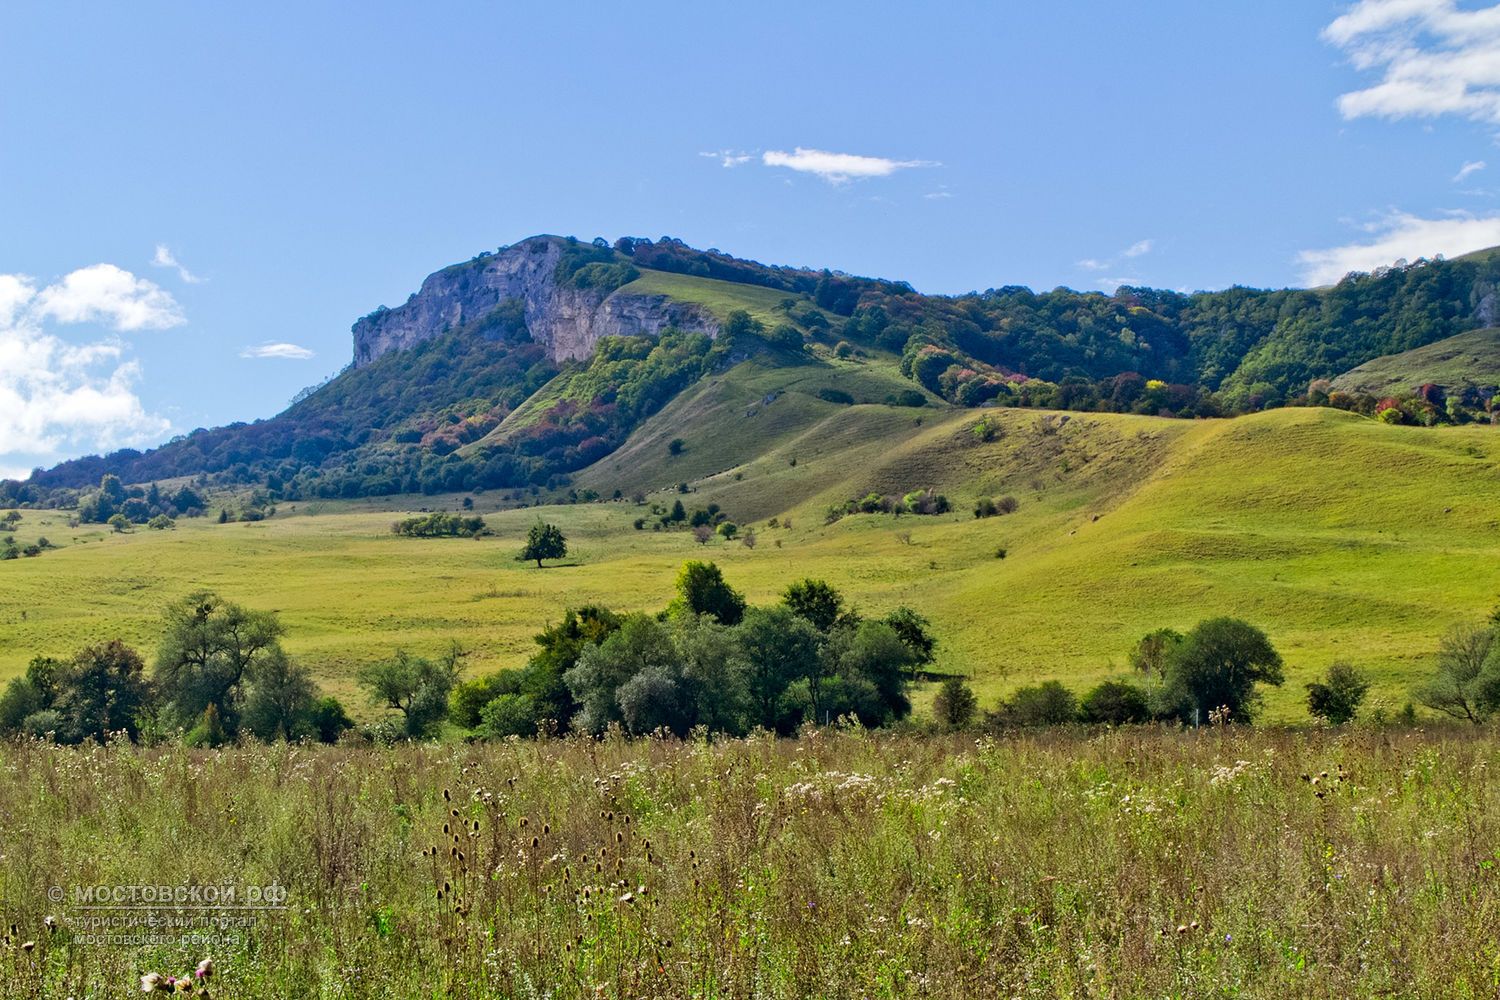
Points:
(841, 864)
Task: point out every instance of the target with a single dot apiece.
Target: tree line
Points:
(707, 662)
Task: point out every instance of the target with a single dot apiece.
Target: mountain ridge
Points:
(520, 367)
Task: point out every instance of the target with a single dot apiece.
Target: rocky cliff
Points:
(567, 321)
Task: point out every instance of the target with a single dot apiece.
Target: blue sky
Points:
(196, 200)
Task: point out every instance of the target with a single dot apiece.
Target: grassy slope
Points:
(1344, 538)
(719, 297)
(1468, 359)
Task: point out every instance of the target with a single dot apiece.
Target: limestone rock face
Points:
(568, 321)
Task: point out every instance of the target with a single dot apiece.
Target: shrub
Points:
(1466, 684)
(955, 705)
(836, 396)
(1115, 703)
(1045, 704)
(1337, 696)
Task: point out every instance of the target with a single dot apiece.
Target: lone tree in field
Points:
(1216, 666)
(544, 541)
(1467, 682)
(1337, 696)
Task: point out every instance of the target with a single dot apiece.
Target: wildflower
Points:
(151, 982)
(28, 945)
(205, 969)
(50, 922)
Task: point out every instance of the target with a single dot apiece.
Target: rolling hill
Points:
(1468, 361)
(1343, 537)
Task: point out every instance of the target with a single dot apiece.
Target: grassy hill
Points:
(1468, 359)
(1344, 538)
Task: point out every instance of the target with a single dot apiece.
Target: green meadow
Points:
(1341, 537)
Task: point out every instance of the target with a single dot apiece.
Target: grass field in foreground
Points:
(1341, 537)
(1147, 863)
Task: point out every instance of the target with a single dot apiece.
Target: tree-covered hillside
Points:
(480, 405)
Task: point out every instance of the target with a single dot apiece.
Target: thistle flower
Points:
(205, 968)
(153, 982)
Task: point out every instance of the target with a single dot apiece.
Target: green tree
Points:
(916, 632)
(1466, 684)
(281, 699)
(1217, 666)
(329, 720)
(1337, 696)
(32, 692)
(701, 590)
(416, 687)
(639, 645)
(103, 691)
(544, 541)
(955, 705)
(815, 601)
(715, 674)
(866, 667)
(1150, 655)
(779, 648)
(210, 648)
(1115, 703)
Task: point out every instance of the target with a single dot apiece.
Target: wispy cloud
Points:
(1401, 236)
(1137, 249)
(277, 349)
(838, 168)
(58, 395)
(730, 157)
(1468, 169)
(165, 258)
(1432, 57)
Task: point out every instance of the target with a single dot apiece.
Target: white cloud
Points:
(107, 294)
(165, 258)
(59, 396)
(1401, 236)
(1433, 59)
(729, 157)
(837, 168)
(271, 349)
(1472, 167)
(1137, 249)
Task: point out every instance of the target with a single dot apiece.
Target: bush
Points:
(1115, 703)
(1467, 682)
(955, 705)
(1336, 698)
(836, 396)
(1045, 704)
